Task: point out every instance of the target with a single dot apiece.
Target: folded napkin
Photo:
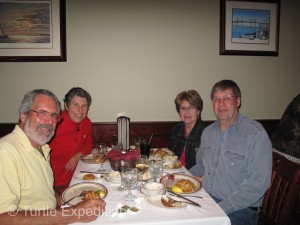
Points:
(116, 154)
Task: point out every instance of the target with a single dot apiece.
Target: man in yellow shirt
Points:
(26, 178)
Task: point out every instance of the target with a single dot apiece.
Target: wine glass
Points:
(129, 177)
(120, 165)
(102, 151)
(142, 167)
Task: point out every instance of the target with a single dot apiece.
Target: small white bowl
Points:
(153, 188)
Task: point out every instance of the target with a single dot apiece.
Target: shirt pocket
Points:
(234, 163)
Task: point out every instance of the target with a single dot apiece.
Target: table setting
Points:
(168, 196)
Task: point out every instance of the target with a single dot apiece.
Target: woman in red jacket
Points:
(73, 138)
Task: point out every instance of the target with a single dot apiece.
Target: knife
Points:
(180, 196)
(93, 172)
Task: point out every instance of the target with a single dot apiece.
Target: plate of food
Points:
(181, 183)
(171, 163)
(93, 158)
(89, 176)
(162, 201)
(161, 152)
(90, 190)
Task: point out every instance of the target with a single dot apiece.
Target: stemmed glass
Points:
(102, 151)
(142, 166)
(129, 177)
(121, 165)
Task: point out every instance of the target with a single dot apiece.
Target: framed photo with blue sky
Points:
(249, 27)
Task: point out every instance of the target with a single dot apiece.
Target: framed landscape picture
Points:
(32, 31)
(249, 27)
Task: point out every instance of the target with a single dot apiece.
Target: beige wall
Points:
(135, 56)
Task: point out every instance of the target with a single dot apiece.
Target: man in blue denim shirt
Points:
(235, 157)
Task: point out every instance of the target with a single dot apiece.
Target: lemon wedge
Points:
(101, 193)
(177, 190)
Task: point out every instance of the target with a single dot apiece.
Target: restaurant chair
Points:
(280, 198)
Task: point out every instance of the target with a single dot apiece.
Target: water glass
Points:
(129, 177)
(156, 169)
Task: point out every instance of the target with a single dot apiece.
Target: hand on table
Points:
(71, 165)
(87, 211)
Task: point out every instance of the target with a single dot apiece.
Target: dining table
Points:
(209, 213)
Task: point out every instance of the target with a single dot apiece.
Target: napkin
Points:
(126, 156)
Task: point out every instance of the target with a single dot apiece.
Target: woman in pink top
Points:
(73, 138)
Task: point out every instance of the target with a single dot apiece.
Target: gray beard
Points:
(41, 139)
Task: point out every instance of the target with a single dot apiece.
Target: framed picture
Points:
(32, 30)
(249, 27)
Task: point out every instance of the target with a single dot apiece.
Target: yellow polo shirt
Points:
(26, 178)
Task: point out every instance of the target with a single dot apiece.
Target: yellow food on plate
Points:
(89, 176)
(93, 195)
(160, 153)
(177, 189)
(184, 186)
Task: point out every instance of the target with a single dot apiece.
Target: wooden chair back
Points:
(280, 198)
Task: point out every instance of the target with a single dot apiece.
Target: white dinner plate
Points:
(97, 176)
(76, 189)
(177, 177)
(156, 201)
(177, 162)
(89, 159)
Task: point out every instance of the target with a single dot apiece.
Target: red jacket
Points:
(70, 138)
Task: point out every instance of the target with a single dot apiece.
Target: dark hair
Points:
(192, 97)
(224, 85)
(29, 97)
(77, 91)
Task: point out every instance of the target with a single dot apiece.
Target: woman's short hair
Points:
(192, 97)
(80, 92)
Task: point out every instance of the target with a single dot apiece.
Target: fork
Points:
(80, 195)
(186, 202)
(192, 196)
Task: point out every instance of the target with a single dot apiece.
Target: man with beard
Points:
(26, 179)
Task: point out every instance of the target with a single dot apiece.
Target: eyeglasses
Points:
(225, 98)
(44, 115)
(189, 109)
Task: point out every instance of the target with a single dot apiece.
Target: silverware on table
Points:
(180, 196)
(93, 172)
(80, 195)
(192, 196)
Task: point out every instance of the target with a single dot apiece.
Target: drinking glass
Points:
(145, 147)
(156, 169)
(121, 165)
(129, 177)
(102, 151)
(142, 167)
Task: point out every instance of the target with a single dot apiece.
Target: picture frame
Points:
(33, 31)
(249, 27)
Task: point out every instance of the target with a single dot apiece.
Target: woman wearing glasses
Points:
(186, 135)
(73, 138)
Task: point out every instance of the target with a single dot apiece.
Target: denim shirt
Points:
(236, 165)
(191, 143)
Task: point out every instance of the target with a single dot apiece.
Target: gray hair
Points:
(29, 97)
(80, 92)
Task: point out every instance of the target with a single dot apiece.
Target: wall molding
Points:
(107, 131)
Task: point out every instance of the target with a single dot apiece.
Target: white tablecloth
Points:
(209, 214)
